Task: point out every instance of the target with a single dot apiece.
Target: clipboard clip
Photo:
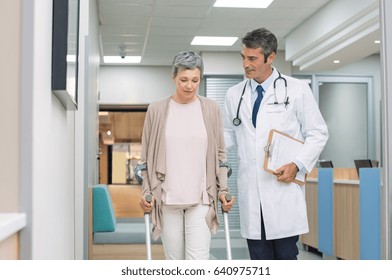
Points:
(268, 150)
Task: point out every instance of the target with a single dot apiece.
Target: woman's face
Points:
(187, 84)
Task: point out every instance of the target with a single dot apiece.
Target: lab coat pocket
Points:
(281, 118)
(276, 108)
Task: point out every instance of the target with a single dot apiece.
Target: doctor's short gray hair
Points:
(187, 60)
(261, 38)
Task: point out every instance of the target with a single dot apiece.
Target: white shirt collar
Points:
(265, 84)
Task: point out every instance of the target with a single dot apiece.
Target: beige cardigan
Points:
(153, 154)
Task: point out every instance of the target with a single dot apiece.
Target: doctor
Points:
(272, 207)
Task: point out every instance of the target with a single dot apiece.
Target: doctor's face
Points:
(254, 65)
(187, 84)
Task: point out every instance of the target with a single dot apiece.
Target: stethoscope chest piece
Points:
(236, 121)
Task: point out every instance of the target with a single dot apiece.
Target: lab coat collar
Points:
(266, 84)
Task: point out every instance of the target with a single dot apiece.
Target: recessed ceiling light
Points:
(262, 4)
(213, 41)
(377, 41)
(336, 61)
(120, 60)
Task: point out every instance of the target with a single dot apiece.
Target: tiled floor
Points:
(308, 254)
(239, 249)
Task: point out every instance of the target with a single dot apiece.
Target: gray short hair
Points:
(187, 60)
(261, 38)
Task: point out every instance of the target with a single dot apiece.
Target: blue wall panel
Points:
(325, 210)
(370, 213)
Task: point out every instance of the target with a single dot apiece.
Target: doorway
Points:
(120, 134)
(347, 106)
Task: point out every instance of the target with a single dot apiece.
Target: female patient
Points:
(183, 148)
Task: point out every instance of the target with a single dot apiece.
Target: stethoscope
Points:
(237, 120)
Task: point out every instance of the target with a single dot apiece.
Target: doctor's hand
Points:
(286, 173)
(145, 206)
(226, 206)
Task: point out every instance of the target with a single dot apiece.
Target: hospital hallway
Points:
(73, 121)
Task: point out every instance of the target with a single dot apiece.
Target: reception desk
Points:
(344, 212)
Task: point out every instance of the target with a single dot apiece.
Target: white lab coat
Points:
(283, 205)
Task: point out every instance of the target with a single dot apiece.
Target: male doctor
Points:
(272, 206)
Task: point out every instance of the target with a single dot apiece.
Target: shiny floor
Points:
(308, 254)
(239, 249)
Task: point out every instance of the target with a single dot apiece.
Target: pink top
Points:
(186, 153)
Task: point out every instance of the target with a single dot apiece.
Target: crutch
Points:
(227, 231)
(148, 198)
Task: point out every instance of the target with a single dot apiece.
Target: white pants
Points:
(185, 234)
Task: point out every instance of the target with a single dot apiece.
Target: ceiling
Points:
(156, 30)
(159, 29)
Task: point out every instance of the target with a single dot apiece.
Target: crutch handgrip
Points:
(148, 198)
(228, 198)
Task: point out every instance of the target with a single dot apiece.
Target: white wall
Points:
(86, 132)
(230, 63)
(53, 152)
(134, 84)
(222, 63)
(145, 84)
(48, 187)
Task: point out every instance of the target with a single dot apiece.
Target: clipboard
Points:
(280, 150)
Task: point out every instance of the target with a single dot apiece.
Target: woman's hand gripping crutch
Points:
(146, 204)
(227, 202)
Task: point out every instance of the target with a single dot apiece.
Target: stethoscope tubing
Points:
(237, 120)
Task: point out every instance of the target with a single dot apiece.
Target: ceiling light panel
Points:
(261, 4)
(213, 41)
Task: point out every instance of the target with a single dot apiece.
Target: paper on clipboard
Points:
(280, 150)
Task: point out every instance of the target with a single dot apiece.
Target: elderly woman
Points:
(183, 148)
